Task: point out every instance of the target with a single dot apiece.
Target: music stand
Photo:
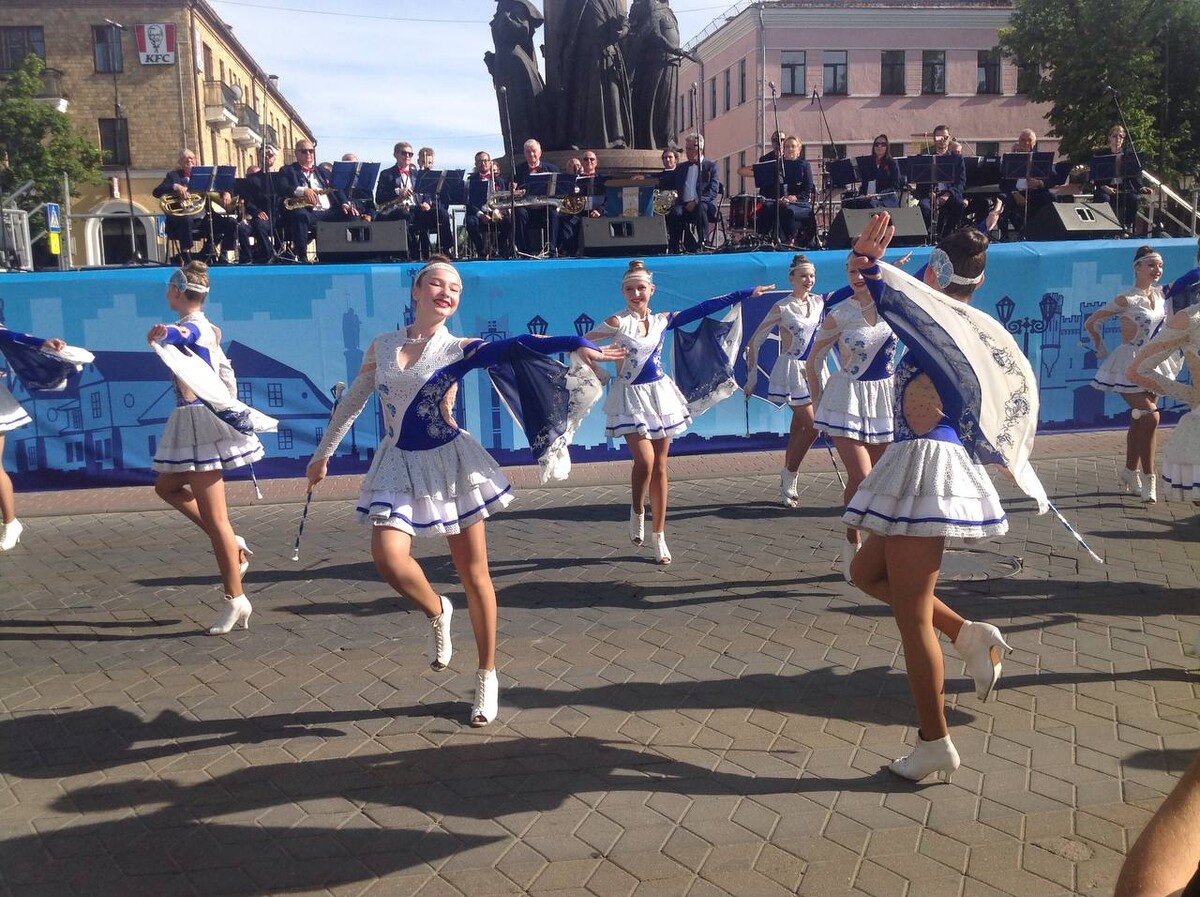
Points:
(342, 176)
(844, 172)
(366, 180)
(201, 179)
(225, 179)
(454, 188)
(1023, 166)
(544, 185)
(428, 182)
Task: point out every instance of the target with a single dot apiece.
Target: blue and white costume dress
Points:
(933, 484)
(41, 370)
(1146, 311)
(857, 402)
(428, 476)
(195, 438)
(800, 321)
(642, 399)
(1180, 468)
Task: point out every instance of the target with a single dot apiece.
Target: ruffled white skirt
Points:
(788, 384)
(858, 409)
(925, 487)
(1112, 375)
(12, 415)
(1181, 460)
(433, 492)
(195, 439)
(655, 410)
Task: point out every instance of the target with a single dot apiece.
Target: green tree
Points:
(1143, 48)
(38, 142)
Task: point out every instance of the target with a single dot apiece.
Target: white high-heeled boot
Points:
(243, 566)
(974, 645)
(1149, 484)
(10, 535)
(237, 612)
(440, 648)
(662, 553)
(848, 551)
(487, 698)
(928, 757)
(787, 488)
(1131, 480)
(637, 527)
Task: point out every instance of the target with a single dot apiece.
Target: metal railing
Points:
(218, 93)
(1168, 210)
(247, 117)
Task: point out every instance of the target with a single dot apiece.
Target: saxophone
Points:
(182, 206)
(292, 203)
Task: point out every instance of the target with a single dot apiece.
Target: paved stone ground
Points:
(715, 727)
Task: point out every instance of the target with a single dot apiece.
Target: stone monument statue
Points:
(653, 56)
(515, 74)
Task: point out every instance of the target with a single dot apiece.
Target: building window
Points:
(891, 73)
(728, 89)
(691, 106)
(18, 42)
(274, 395)
(285, 439)
(31, 458)
(728, 163)
(106, 49)
(933, 71)
(97, 408)
(988, 71)
(151, 444)
(791, 72)
(988, 148)
(741, 81)
(712, 97)
(245, 392)
(1029, 76)
(741, 179)
(836, 81)
(114, 141)
(318, 435)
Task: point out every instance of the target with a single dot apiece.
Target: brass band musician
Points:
(312, 198)
(483, 217)
(186, 213)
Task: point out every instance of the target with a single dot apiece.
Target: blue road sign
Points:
(53, 218)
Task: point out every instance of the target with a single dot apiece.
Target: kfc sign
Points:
(156, 44)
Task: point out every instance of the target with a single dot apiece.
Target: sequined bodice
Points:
(644, 361)
(800, 320)
(411, 396)
(1145, 318)
(866, 351)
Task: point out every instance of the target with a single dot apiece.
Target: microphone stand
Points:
(512, 164)
(1121, 191)
(780, 185)
(827, 188)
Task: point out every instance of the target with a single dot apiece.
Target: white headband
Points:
(1149, 257)
(638, 274)
(180, 282)
(940, 262)
(434, 266)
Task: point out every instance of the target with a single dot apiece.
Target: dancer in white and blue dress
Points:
(855, 406)
(197, 446)
(797, 317)
(644, 405)
(428, 477)
(22, 349)
(1142, 311)
(966, 395)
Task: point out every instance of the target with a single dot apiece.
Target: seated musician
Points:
(881, 180)
(947, 193)
(313, 199)
(483, 220)
(361, 199)
(184, 229)
(260, 198)
(670, 160)
(431, 214)
(1122, 191)
(1025, 197)
(570, 227)
(792, 200)
(536, 227)
(698, 189)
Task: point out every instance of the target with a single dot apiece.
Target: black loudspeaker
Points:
(360, 241)
(624, 236)
(908, 221)
(1074, 221)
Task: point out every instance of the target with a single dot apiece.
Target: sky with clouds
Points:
(364, 75)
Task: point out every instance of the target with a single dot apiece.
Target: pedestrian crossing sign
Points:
(53, 218)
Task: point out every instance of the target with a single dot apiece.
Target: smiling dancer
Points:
(797, 317)
(1141, 311)
(965, 396)
(855, 406)
(429, 477)
(645, 407)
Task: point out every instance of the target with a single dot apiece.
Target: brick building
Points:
(183, 80)
(895, 67)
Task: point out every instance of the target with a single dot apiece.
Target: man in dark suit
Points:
(482, 218)
(698, 189)
(951, 173)
(536, 226)
(309, 184)
(261, 201)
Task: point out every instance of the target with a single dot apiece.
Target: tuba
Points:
(183, 206)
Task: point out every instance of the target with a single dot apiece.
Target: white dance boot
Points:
(243, 566)
(637, 527)
(487, 698)
(787, 488)
(849, 550)
(440, 648)
(237, 612)
(928, 757)
(661, 552)
(974, 645)
(10, 534)
(1131, 481)
(1149, 482)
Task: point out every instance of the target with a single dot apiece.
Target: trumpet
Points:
(184, 206)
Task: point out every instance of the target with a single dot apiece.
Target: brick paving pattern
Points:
(715, 727)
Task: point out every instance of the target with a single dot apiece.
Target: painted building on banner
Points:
(894, 67)
(181, 79)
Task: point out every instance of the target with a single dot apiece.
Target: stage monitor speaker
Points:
(646, 235)
(361, 241)
(908, 221)
(1074, 221)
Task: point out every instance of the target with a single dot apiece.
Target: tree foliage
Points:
(38, 142)
(1144, 49)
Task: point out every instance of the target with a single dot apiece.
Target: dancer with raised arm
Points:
(1142, 311)
(855, 406)
(197, 445)
(797, 317)
(430, 478)
(965, 395)
(645, 406)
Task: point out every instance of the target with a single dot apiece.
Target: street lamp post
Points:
(1025, 326)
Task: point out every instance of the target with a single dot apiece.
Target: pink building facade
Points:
(895, 67)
